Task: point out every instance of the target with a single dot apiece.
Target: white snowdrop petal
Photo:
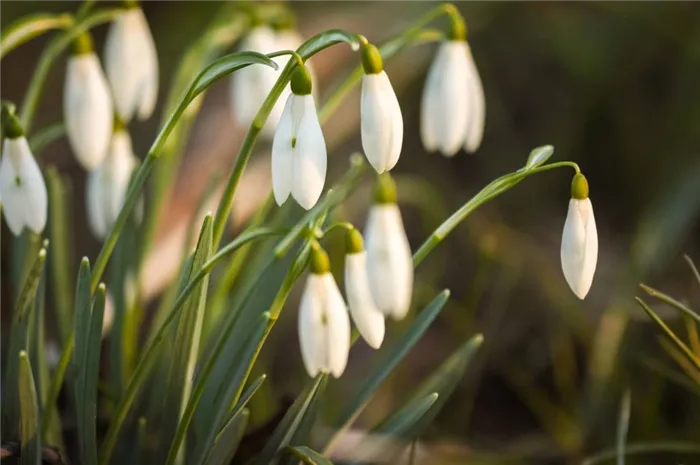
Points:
(397, 125)
(389, 260)
(283, 156)
(311, 333)
(381, 123)
(477, 106)
(22, 188)
(579, 247)
(367, 317)
(149, 92)
(87, 109)
(310, 158)
(95, 202)
(337, 327)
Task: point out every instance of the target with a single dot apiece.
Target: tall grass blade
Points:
(29, 413)
(307, 455)
(229, 438)
(623, 425)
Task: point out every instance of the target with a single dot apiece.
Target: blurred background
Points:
(613, 86)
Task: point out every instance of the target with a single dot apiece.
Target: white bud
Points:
(453, 107)
(87, 108)
(299, 153)
(579, 246)
(131, 63)
(389, 260)
(367, 317)
(382, 123)
(324, 326)
(22, 188)
(107, 185)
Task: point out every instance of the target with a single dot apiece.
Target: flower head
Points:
(87, 105)
(389, 259)
(579, 241)
(22, 186)
(107, 185)
(324, 326)
(131, 63)
(381, 120)
(298, 148)
(453, 109)
(367, 317)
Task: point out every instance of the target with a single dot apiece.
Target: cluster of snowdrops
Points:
(99, 104)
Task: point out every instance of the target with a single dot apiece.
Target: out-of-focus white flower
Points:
(131, 63)
(579, 241)
(298, 148)
(22, 186)
(453, 109)
(367, 317)
(381, 120)
(324, 326)
(107, 185)
(389, 259)
(251, 85)
(108, 315)
(87, 105)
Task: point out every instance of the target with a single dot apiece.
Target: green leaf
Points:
(302, 434)
(307, 455)
(40, 139)
(188, 331)
(671, 301)
(229, 438)
(290, 422)
(623, 425)
(390, 357)
(19, 341)
(29, 27)
(538, 156)
(327, 39)
(29, 413)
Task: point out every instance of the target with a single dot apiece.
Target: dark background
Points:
(615, 87)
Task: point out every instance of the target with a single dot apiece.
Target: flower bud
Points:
(301, 81)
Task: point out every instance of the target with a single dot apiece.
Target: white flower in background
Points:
(107, 185)
(324, 326)
(453, 109)
(381, 120)
(298, 148)
(389, 259)
(251, 85)
(579, 241)
(108, 315)
(22, 186)
(367, 317)
(87, 105)
(131, 64)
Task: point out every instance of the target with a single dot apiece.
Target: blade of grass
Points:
(29, 413)
(226, 443)
(307, 455)
(686, 365)
(623, 425)
(691, 264)
(670, 301)
(28, 27)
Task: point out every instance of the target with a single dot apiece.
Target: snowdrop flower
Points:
(107, 185)
(131, 64)
(381, 120)
(298, 148)
(389, 260)
(453, 109)
(324, 326)
(579, 241)
(367, 317)
(87, 105)
(22, 186)
(251, 85)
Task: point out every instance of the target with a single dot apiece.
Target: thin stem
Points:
(346, 225)
(559, 164)
(293, 53)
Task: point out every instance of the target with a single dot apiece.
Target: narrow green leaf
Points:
(81, 329)
(390, 356)
(327, 39)
(29, 27)
(307, 455)
(37, 351)
(19, 334)
(186, 340)
(29, 413)
(670, 301)
(226, 443)
(287, 427)
(538, 156)
(302, 434)
(693, 268)
(45, 136)
(623, 425)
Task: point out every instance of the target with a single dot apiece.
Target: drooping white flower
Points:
(298, 148)
(367, 317)
(389, 259)
(22, 186)
(381, 120)
(251, 85)
(107, 185)
(579, 241)
(131, 63)
(87, 105)
(324, 326)
(453, 108)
